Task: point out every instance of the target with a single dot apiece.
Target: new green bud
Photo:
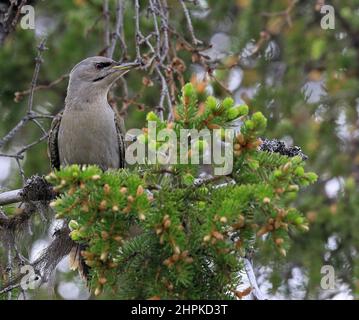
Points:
(249, 124)
(73, 225)
(228, 103)
(151, 116)
(259, 120)
(201, 205)
(291, 196)
(277, 173)
(51, 176)
(75, 235)
(59, 215)
(293, 188)
(188, 89)
(211, 103)
(297, 160)
(243, 110)
(203, 190)
(299, 172)
(188, 179)
(232, 113)
(55, 203)
(312, 177)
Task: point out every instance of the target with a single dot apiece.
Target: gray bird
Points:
(89, 131)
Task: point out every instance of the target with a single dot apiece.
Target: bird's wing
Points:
(52, 144)
(120, 128)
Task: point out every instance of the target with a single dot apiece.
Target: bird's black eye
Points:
(102, 65)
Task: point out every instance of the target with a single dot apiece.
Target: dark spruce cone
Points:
(277, 146)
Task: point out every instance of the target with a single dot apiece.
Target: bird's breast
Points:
(89, 137)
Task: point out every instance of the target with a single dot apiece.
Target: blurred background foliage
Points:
(274, 56)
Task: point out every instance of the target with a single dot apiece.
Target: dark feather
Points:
(77, 262)
(120, 128)
(52, 144)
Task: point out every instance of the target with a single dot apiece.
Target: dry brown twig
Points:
(19, 95)
(286, 13)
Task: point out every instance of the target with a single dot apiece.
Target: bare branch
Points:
(138, 35)
(44, 132)
(195, 41)
(9, 197)
(39, 61)
(36, 188)
(252, 280)
(19, 155)
(119, 31)
(48, 259)
(13, 131)
(9, 288)
(157, 31)
(29, 116)
(106, 17)
(20, 94)
(164, 94)
(164, 27)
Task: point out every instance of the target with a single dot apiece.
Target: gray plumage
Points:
(88, 131)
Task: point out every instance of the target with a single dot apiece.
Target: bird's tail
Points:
(77, 262)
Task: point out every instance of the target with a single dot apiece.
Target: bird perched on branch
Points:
(88, 131)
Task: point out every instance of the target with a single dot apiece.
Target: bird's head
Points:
(99, 72)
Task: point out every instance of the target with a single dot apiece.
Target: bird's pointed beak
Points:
(126, 66)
